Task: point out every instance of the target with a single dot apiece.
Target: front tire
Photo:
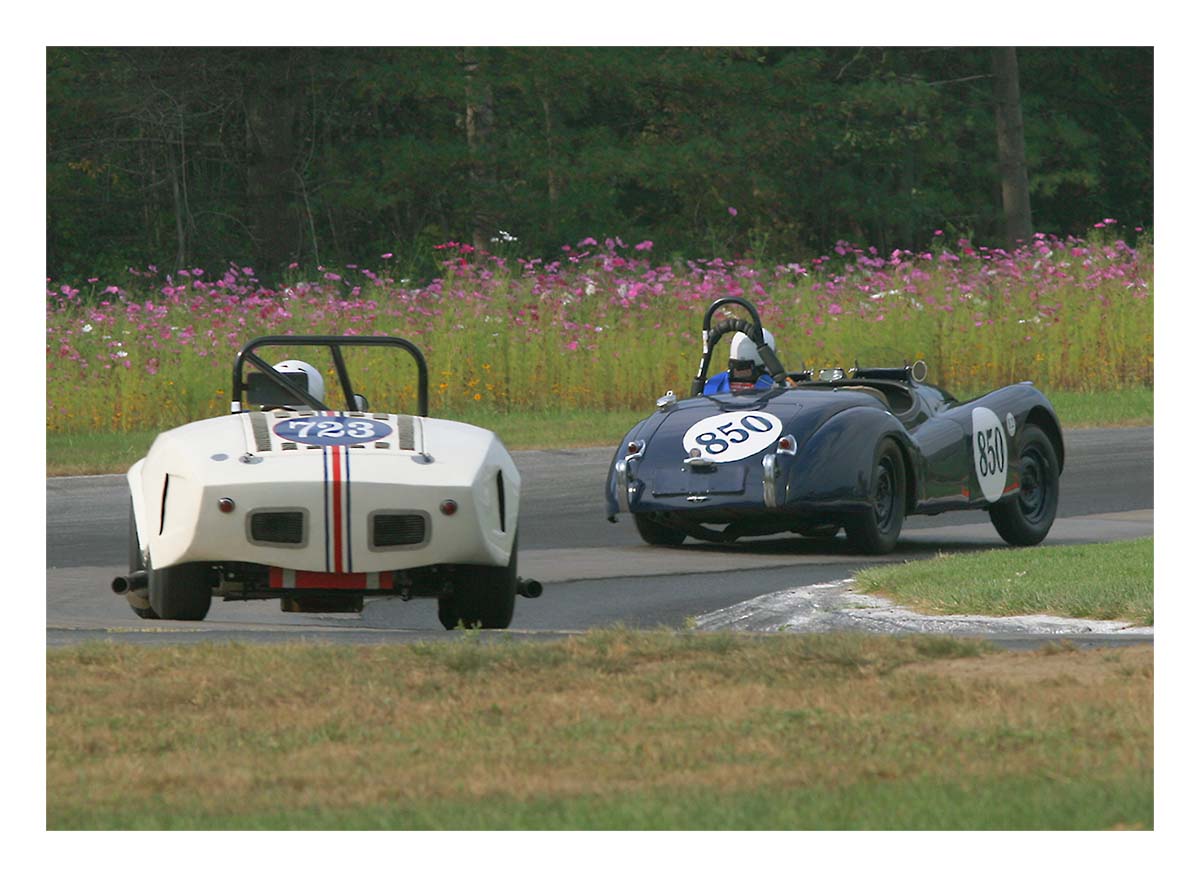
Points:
(1026, 517)
(654, 533)
(180, 593)
(483, 596)
(876, 530)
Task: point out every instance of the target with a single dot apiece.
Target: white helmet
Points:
(316, 383)
(743, 347)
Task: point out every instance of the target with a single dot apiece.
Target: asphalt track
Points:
(597, 573)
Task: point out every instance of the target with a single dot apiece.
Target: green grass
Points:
(1133, 406)
(85, 453)
(615, 729)
(1012, 803)
(1107, 581)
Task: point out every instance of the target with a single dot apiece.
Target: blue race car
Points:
(857, 448)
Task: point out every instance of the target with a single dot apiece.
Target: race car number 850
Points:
(724, 438)
(335, 430)
(989, 447)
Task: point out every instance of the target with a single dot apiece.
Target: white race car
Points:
(287, 499)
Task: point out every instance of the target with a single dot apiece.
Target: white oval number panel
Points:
(724, 438)
(989, 448)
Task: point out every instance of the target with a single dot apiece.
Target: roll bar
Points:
(335, 343)
(710, 335)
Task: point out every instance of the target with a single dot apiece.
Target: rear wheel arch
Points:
(910, 472)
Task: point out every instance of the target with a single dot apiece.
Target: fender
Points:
(641, 432)
(834, 466)
(1028, 405)
(134, 479)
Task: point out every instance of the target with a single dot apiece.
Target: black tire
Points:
(139, 602)
(1026, 517)
(823, 532)
(483, 596)
(180, 593)
(875, 530)
(654, 533)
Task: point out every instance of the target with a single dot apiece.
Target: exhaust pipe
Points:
(134, 581)
(530, 588)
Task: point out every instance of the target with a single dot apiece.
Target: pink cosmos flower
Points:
(733, 211)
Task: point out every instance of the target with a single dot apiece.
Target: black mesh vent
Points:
(391, 530)
(262, 434)
(404, 432)
(286, 528)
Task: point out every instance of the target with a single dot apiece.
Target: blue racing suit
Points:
(720, 384)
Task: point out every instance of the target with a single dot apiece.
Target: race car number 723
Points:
(331, 430)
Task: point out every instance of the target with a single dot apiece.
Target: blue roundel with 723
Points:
(334, 430)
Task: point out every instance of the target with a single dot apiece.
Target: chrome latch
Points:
(625, 488)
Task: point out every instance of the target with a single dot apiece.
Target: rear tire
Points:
(139, 601)
(823, 532)
(1026, 517)
(654, 533)
(876, 530)
(180, 593)
(483, 596)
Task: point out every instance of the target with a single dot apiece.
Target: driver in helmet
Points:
(746, 368)
(313, 383)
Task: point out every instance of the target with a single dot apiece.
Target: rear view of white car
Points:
(290, 498)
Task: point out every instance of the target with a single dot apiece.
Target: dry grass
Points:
(218, 736)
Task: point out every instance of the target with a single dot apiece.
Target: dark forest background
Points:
(187, 157)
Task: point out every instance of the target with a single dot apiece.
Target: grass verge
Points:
(611, 730)
(88, 453)
(1106, 581)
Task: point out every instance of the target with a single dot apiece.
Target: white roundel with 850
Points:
(989, 448)
(731, 436)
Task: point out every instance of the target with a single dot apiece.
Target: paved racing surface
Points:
(597, 573)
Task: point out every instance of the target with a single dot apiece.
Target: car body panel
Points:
(176, 490)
